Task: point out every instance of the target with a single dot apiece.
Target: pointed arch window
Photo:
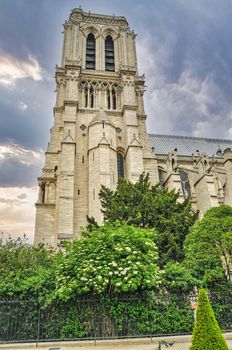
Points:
(108, 98)
(109, 54)
(86, 96)
(91, 92)
(185, 185)
(90, 52)
(113, 98)
(120, 163)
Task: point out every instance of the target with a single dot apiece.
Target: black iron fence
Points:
(118, 317)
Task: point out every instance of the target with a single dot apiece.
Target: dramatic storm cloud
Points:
(12, 69)
(19, 166)
(186, 56)
(184, 48)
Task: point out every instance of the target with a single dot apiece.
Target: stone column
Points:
(228, 167)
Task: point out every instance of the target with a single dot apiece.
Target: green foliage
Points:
(113, 259)
(206, 332)
(177, 279)
(144, 205)
(74, 326)
(99, 317)
(172, 315)
(25, 270)
(208, 247)
(92, 224)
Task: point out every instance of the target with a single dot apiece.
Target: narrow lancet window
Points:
(114, 98)
(108, 98)
(109, 53)
(91, 97)
(86, 97)
(120, 163)
(90, 52)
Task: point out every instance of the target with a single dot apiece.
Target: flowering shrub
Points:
(113, 259)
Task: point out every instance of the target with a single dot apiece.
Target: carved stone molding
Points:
(47, 178)
(76, 17)
(52, 205)
(142, 116)
(101, 74)
(107, 20)
(129, 107)
(98, 84)
(58, 109)
(71, 103)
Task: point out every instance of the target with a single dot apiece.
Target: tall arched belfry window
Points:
(120, 162)
(109, 53)
(90, 52)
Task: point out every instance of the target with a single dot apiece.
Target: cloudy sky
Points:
(184, 48)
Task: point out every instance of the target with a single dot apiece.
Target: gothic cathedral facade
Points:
(99, 134)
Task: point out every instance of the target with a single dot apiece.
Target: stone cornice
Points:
(129, 108)
(140, 80)
(98, 74)
(50, 152)
(72, 65)
(78, 15)
(142, 116)
(115, 113)
(58, 109)
(71, 103)
(131, 70)
(51, 205)
(46, 179)
(60, 71)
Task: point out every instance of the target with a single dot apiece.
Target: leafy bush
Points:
(26, 271)
(177, 279)
(206, 332)
(114, 259)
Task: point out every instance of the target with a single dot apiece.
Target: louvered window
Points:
(90, 52)
(109, 54)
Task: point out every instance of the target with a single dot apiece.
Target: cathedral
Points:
(99, 134)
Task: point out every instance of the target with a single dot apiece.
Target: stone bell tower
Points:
(99, 130)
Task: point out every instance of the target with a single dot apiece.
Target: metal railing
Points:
(105, 318)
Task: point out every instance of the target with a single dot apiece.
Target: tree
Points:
(144, 205)
(208, 247)
(26, 271)
(113, 259)
(206, 331)
(177, 279)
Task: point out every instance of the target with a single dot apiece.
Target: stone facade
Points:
(99, 133)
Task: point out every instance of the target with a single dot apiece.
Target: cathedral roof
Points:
(101, 117)
(187, 145)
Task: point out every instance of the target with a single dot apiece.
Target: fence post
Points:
(38, 327)
(149, 318)
(95, 322)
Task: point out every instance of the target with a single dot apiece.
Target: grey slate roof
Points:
(187, 145)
